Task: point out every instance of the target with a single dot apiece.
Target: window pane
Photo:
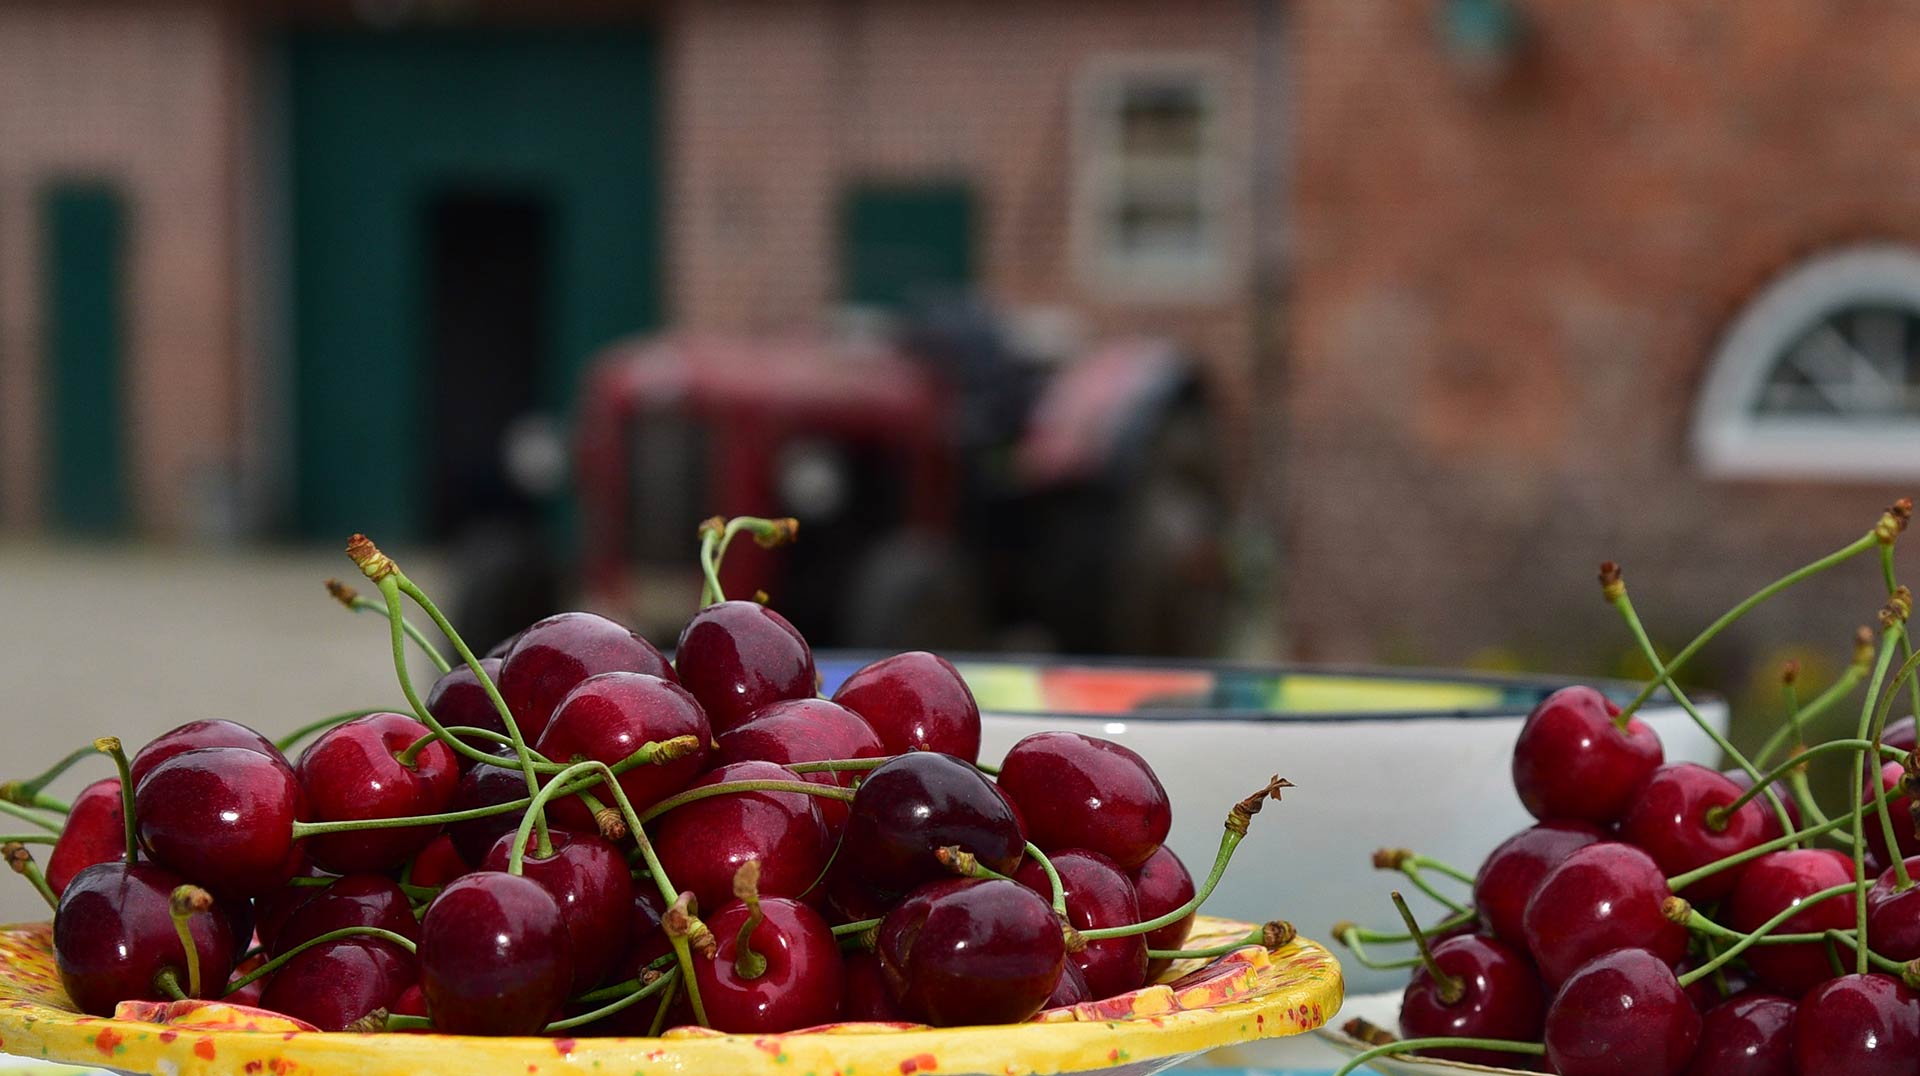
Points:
(1161, 119)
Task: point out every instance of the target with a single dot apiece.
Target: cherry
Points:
(649, 942)
(912, 806)
(612, 715)
(484, 786)
(591, 882)
(702, 844)
(113, 934)
(438, 863)
(250, 993)
(1621, 1014)
(1099, 895)
(1780, 880)
(1750, 1035)
(867, 996)
(738, 656)
(1601, 897)
(1893, 914)
(273, 909)
(222, 816)
(916, 701)
(353, 771)
(493, 956)
(1491, 993)
(969, 951)
(1668, 820)
(357, 900)
(805, 730)
(1899, 734)
(1861, 1025)
(1900, 808)
(458, 698)
(1512, 871)
(1784, 791)
(1705, 992)
(1070, 990)
(96, 832)
(1571, 761)
(553, 656)
(335, 985)
(1076, 791)
(802, 981)
(1163, 884)
(197, 734)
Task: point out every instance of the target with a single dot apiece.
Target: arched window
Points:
(1819, 376)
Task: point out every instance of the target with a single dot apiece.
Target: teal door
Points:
(83, 231)
(474, 214)
(908, 241)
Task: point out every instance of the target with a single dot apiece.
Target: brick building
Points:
(1500, 290)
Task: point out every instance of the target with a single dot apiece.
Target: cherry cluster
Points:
(573, 833)
(1663, 918)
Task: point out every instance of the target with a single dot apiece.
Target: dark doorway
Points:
(488, 271)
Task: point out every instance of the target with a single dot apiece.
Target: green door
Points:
(474, 214)
(83, 238)
(902, 242)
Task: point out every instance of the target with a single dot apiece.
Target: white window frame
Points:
(1731, 441)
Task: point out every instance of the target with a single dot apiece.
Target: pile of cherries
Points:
(1663, 918)
(573, 834)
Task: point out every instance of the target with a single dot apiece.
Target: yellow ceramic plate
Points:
(1249, 994)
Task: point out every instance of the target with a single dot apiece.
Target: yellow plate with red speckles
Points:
(1248, 994)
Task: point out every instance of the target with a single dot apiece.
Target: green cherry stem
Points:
(747, 963)
(666, 1003)
(31, 792)
(25, 815)
(1857, 814)
(1057, 892)
(1785, 768)
(28, 838)
(808, 788)
(1269, 936)
(1849, 679)
(516, 859)
(645, 990)
(1351, 936)
(183, 904)
(1449, 988)
(168, 983)
(355, 603)
(286, 743)
(1681, 881)
(1749, 940)
(16, 854)
(280, 961)
(1409, 864)
(965, 864)
(1386, 937)
(110, 746)
(1710, 930)
(858, 926)
(717, 534)
(620, 990)
(1408, 1046)
(1893, 589)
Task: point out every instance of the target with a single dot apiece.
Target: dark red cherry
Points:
(1512, 871)
(805, 730)
(738, 656)
(867, 996)
(250, 993)
(1781, 880)
(96, 832)
(1163, 884)
(494, 956)
(484, 786)
(457, 698)
(335, 985)
(197, 734)
(912, 806)
(1099, 895)
(1899, 734)
(273, 909)
(1900, 809)
(916, 701)
(1501, 998)
(1859, 1025)
(703, 844)
(803, 980)
(1571, 762)
(438, 863)
(1601, 897)
(113, 933)
(1771, 828)
(1893, 914)
(1668, 821)
(357, 900)
(222, 816)
(353, 771)
(613, 715)
(850, 898)
(554, 656)
(1621, 1014)
(1078, 791)
(966, 951)
(590, 879)
(648, 942)
(1070, 990)
(1750, 1035)
(1706, 992)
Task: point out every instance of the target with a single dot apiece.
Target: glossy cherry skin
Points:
(553, 656)
(909, 808)
(805, 730)
(1893, 915)
(1501, 998)
(738, 656)
(1072, 988)
(867, 996)
(1099, 895)
(1078, 791)
(357, 900)
(1780, 880)
(1860, 1025)
(916, 701)
(1900, 809)
(966, 951)
(112, 933)
(1163, 884)
(613, 715)
(250, 993)
(457, 698)
(494, 956)
(1601, 897)
(803, 981)
(485, 786)
(648, 941)
(1706, 992)
(1571, 762)
(1621, 1014)
(1750, 1035)
(1512, 871)
(703, 844)
(335, 984)
(590, 880)
(222, 816)
(1668, 821)
(353, 771)
(197, 734)
(1781, 789)
(96, 832)
(438, 863)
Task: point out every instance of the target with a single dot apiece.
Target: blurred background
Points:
(1268, 329)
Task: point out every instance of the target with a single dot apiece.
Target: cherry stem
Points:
(1850, 678)
(166, 982)
(1746, 941)
(356, 603)
(717, 534)
(1407, 1046)
(516, 859)
(30, 792)
(1382, 937)
(1789, 767)
(666, 1003)
(185, 902)
(28, 838)
(1681, 881)
(400, 1021)
(1056, 889)
(1870, 730)
(1349, 935)
(620, 990)
(1906, 638)
(679, 923)
(110, 745)
(25, 815)
(1409, 864)
(285, 743)
(16, 854)
(746, 889)
(1710, 930)
(1451, 989)
(808, 788)
(965, 863)
(280, 961)
(858, 926)
(646, 990)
